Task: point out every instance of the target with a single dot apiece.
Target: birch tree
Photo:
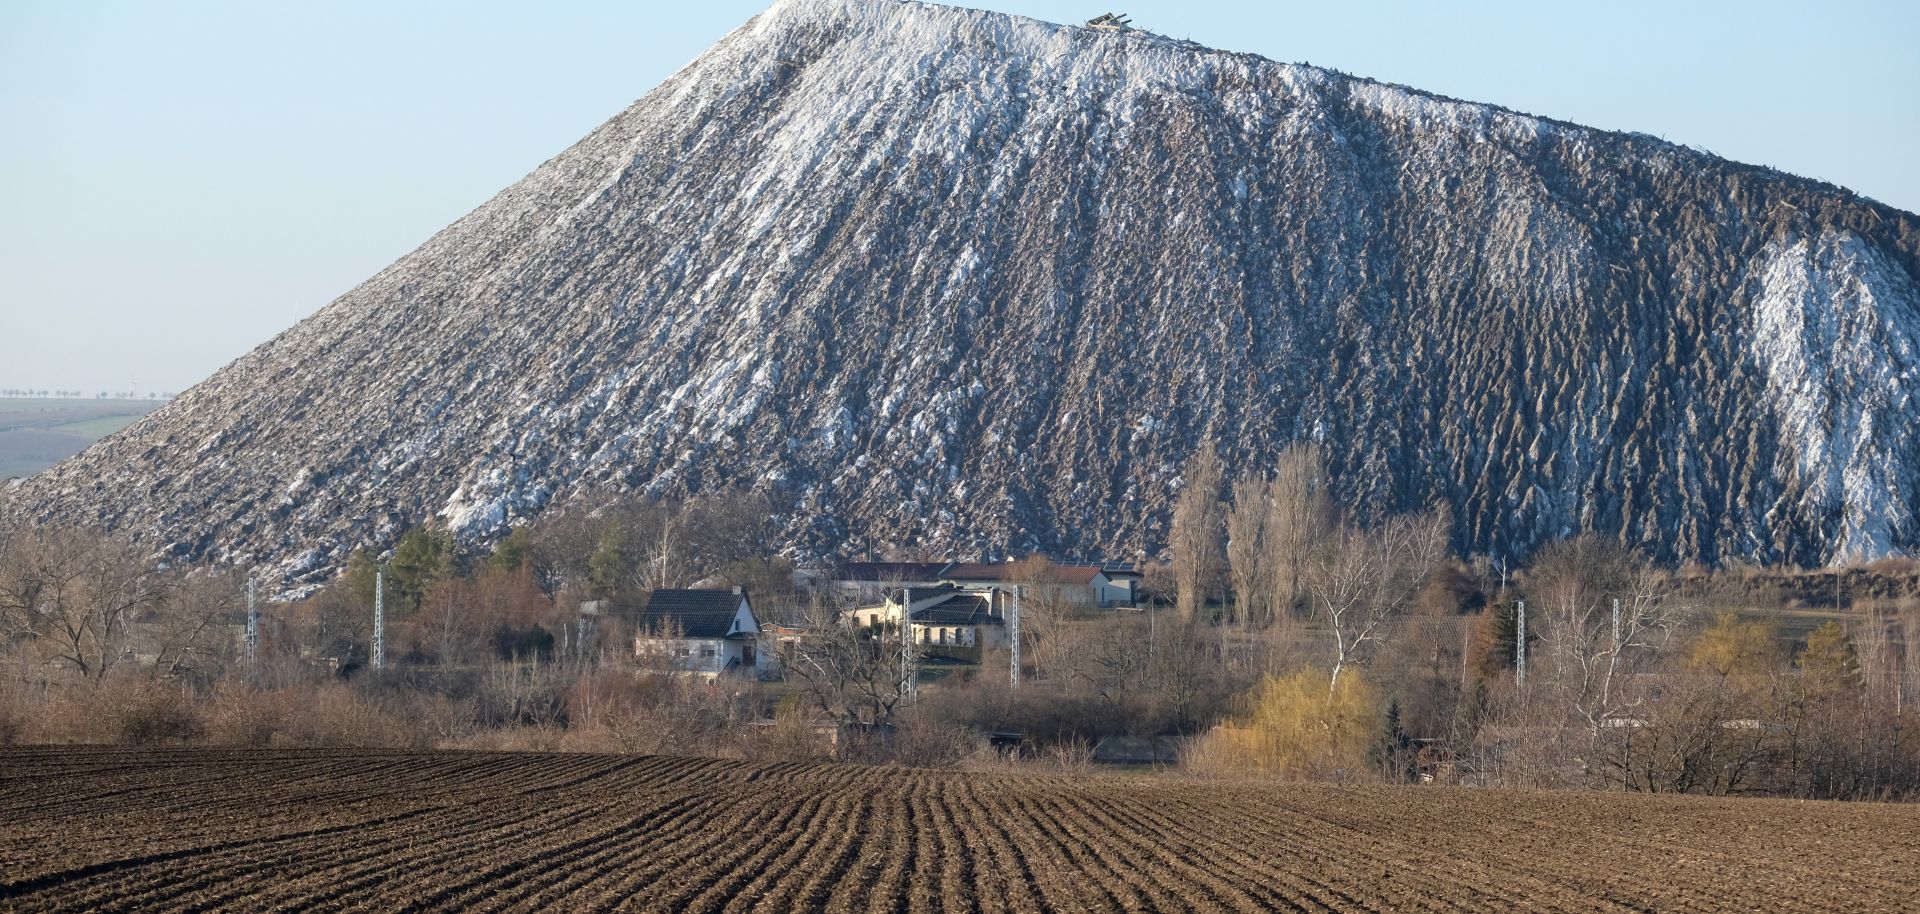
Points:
(1592, 650)
(1362, 581)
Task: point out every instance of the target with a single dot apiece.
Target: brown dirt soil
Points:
(91, 829)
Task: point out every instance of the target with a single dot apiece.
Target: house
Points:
(778, 644)
(1076, 584)
(869, 582)
(960, 619)
(708, 632)
(1089, 584)
(1110, 22)
(942, 615)
(1118, 584)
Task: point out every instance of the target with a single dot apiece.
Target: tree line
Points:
(1281, 638)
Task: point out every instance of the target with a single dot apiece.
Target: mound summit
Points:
(943, 277)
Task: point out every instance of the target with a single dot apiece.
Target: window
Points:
(706, 652)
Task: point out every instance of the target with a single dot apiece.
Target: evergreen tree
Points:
(422, 558)
(358, 580)
(512, 552)
(608, 568)
(1493, 640)
(1392, 750)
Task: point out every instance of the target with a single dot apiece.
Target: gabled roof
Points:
(696, 613)
(1005, 571)
(995, 572)
(959, 609)
(903, 572)
(922, 592)
(977, 571)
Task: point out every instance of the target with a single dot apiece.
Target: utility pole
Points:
(1013, 636)
(1616, 625)
(253, 628)
(906, 643)
(379, 618)
(1520, 645)
(1153, 629)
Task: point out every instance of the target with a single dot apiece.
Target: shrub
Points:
(147, 713)
(790, 736)
(241, 716)
(16, 713)
(1295, 729)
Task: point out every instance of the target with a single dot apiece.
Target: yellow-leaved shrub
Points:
(1295, 728)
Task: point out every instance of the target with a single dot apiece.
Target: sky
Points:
(181, 181)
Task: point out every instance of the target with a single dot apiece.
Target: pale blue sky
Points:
(179, 181)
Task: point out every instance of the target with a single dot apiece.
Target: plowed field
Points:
(102, 830)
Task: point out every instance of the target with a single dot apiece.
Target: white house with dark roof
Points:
(942, 615)
(707, 632)
(868, 582)
(1101, 584)
(1080, 584)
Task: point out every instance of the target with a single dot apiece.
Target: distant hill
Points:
(979, 285)
(37, 433)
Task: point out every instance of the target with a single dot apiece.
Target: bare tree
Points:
(74, 595)
(1195, 540)
(469, 619)
(1874, 643)
(1113, 660)
(1300, 515)
(1909, 679)
(1247, 545)
(185, 636)
(663, 562)
(1590, 650)
(1362, 581)
(851, 673)
(1044, 606)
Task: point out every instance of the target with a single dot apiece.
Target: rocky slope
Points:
(979, 282)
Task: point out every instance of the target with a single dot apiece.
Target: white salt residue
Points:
(1838, 333)
(465, 514)
(1427, 113)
